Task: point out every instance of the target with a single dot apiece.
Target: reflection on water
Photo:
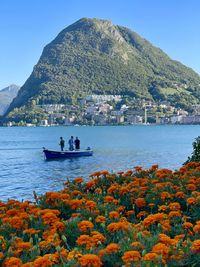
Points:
(24, 169)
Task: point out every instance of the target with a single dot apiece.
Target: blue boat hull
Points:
(50, 154)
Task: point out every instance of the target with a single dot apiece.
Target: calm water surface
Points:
(23, 168)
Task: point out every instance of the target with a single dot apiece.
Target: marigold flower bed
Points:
(136, 218)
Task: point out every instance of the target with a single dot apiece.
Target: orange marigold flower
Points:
(98, 191)
(140, 202)
(165, 225)
(15, 222)
(152, 218)
(174, 206)
(90, 205)
(191, 187)
(78, 180)
(64, 254)
(65, 196)
(27, 264)
(23, 245)
(129, 172)
(60, 226)
(114, 227)
(97, 238)
(153, 168)
(130, 213)
(196, 246)
(123, 190)
(97, 174)
(165, 239)
(179, 237)
(196, 228)
(146, 233)
(180, 194)
(141, 214)
(75, 203)
(104, 172)
(120, 208)
(150, 256)
(102, 252)
(44, 244)
(163, 208)
(113, 188)
(52, 196)
(43, 261)
(161, 249)
(151, 205)
(137, 245)
(74, 254)
(83, 240)
(165, 195)
(91, 184)
(1, 255)
(112, 247)
(110, 199)
(163, 172)
(113, 214)
(187, 225)
(191, 201)
(76, 193)
(130, 256)
(85, 225)
(31, 231)
(49, 218)
(90, 260)
(100, 219)
(138, 168)
(12, 261)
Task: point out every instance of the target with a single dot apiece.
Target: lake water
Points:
(23, 168)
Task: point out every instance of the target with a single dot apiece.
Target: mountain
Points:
(6, 96)
(94, 56)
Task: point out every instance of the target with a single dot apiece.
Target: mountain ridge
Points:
(7, 94)
(96, 56)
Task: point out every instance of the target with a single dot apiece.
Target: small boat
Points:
(52, 154)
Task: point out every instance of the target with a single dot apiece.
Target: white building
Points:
(44, 123)
(103, 98)
(104, 108)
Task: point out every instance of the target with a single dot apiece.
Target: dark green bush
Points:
(196, 151)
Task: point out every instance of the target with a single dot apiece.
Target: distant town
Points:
(112, 110)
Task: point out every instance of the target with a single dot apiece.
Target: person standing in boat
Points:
(71, 143)
(77, 143)
(62, 143)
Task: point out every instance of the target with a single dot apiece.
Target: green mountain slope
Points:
(95, 56)
(6, 96)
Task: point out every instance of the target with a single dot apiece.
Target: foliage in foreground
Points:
(196, 151)
(137, 218)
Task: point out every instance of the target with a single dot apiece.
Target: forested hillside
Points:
(94, 56)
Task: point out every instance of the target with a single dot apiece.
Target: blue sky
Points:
(26, 26)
